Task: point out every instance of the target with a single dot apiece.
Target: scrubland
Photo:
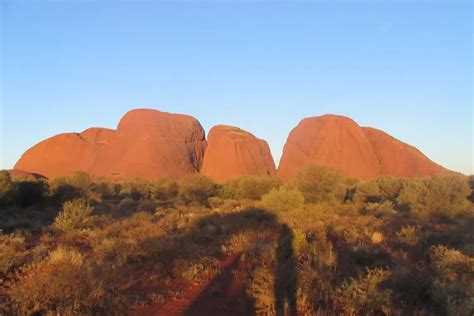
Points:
(321, 244)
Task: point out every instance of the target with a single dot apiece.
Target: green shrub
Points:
(197, 188)
(364, 295)
(318, 184)
(164, 189)
(389, 187)
(282, 199)
(367, 191)
(106, 189)
(441, 196)
(136, 189)
(63, 189)
(249, 187)
(72, 214)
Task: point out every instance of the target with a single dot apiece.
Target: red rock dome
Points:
(341, 144)
(147, 144)
(232, 152)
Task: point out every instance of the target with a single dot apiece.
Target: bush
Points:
(164, 189)
(197, 188)
(137, 189)
(453, 284)
(409, 235)
(318, 184)
(78, 185)
(442, 196)
(381, 209)
(364, 294)
(105, 189)
(389, 187)
(249, 187)
(367, 191)
(12, 248)
(72, 214)
(29, 191)
(64, 283)
(282, 199)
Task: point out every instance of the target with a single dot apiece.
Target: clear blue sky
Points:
(402, 66)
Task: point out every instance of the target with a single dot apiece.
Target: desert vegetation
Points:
(321, 244)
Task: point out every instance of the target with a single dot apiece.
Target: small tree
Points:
(318, 184)
(72, 214)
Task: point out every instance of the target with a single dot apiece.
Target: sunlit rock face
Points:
(232, 152)
(147, 144)
(360, 152)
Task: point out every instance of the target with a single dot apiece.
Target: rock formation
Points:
(147, 144)
(152, 144)
(341, 144)
(398, 159)
(232, 152)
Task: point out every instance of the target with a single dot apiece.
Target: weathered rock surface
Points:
(147, 144)
(341, 144)
(232, 152)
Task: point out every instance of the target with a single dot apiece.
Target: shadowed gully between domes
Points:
(152, 144)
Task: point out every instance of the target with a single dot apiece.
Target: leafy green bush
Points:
(72, 214)
(197, 188)
(318, 184)
(282, 199)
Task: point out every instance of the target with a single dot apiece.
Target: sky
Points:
(401, 66)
